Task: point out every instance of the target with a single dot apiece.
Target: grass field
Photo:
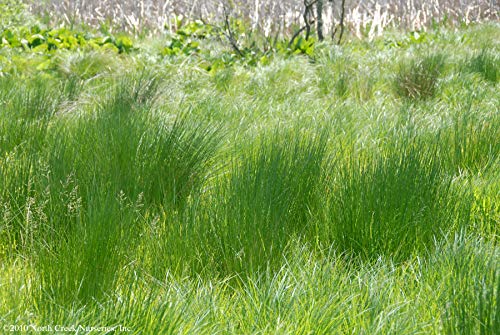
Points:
(352, 191)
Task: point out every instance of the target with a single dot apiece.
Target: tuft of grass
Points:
(25, 112)
(267, 198)
(86, 65)
(418, 78)
(173, 159)
(486, 63)
(473, 144)
(126, 145)
(393, 203)
(80, 265)
(25, 115)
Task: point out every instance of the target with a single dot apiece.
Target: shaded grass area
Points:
(297, 197)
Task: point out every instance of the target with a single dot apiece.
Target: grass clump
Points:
(125, 146)
(469, 297)
(485, 63)
(418, 78)
(393, 203)
(78, 266)
(267, 198)
(472, 145)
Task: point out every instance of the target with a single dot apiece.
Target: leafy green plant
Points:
(186, 38)
(247, 48)
(298, 46)
(412, 38)
(37, 39)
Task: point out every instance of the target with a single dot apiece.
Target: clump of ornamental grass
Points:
(81, 264)
(485, 63)
(26, 109)
(128, 145)
(266, 198)
(418, 77)
(472, 145)
(393, 203)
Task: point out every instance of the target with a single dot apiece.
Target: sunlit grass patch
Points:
(355, 190)
(393, 203)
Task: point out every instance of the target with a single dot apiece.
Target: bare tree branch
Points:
(230, 35)
(307, 16)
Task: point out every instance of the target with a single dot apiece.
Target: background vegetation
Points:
(364, 18)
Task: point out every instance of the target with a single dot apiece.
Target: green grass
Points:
(355, 191)
(268, 197)
(418, 78)
(396, 202)
(486, 64)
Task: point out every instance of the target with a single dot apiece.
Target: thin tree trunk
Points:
(342, 15)
(306, 18)
(319, 18)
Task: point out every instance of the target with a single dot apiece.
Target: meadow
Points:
(350, 189)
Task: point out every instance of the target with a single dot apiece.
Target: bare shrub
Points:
(268, 16)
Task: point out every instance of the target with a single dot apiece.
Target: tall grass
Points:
(394, 203)
(24, 123)
(486, 64)
(268, 199)
(80, 266)
(473, 141)
(469, 296)
(311, 291)
(418, 78)
(126, 146)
